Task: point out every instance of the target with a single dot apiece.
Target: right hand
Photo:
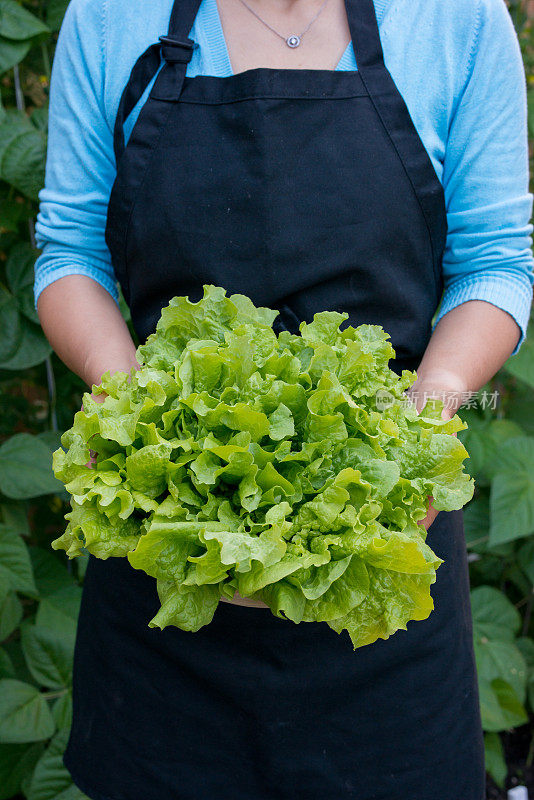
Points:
(99, 398)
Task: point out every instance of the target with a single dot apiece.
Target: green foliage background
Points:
(40, 590)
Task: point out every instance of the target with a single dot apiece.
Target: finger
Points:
(431, 515)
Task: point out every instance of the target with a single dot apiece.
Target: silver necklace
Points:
(294, 39)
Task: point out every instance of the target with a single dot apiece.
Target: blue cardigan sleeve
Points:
(488, 254)
(483, 137)
(80, 164)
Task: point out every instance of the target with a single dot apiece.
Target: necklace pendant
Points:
(293, 40)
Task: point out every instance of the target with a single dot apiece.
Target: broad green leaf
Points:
(14, 650)
(17, 23)
(344, 594)
(522, 364)
(10, 325)
(50, 572)
(82, 562)
(494, 757)
(478, 443)
(494, 616)
(71, 793)
(526, 646)
(512, 491)
(281, 423)
(23, 162)
(7, 670)
(483, 439)
(10, 615)
(15, 516)
(62, 710)
(32, 347)
(12, 52)
(39, 118)
(24, 713)
(20, 278)
(525, 559)
(476, 524)
(16, 762)
(11, 214)
(59, 611)
(51, 438)
(48, 655)
(499, 432)
(26, 467)
(50, 777)
(519, 408)
(501, 667)
(500, 706)
(55, 11)
(15, 564)
(13, 124)
(496, 659)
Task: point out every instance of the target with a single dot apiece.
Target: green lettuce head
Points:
(238, 460)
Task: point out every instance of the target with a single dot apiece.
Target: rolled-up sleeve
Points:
(488, 255)
(80, 164)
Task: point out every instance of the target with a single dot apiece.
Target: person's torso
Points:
(304, 189)
(426, 48)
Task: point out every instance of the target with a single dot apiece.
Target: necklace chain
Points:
(294, 39)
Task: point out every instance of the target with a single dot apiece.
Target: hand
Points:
(449, 389)
(99, 398)
(430, 517)
(245, 601)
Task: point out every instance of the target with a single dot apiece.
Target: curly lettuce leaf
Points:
(238, 459)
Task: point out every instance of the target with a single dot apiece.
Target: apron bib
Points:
(306, 190)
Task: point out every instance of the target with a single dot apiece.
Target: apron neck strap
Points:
(361, 16)
(360, 13)
(176, 49)
(182, 18)
(364, 32)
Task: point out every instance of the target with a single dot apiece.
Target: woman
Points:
(273, 147)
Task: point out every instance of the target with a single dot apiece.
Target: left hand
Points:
(237, 600)
(448, 389)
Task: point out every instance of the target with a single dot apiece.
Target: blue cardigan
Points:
(457, 64)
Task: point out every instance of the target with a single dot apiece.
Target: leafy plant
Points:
(39, 603)
(499, 525)
(264, 464)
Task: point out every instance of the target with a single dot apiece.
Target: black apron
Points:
(307, 190)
